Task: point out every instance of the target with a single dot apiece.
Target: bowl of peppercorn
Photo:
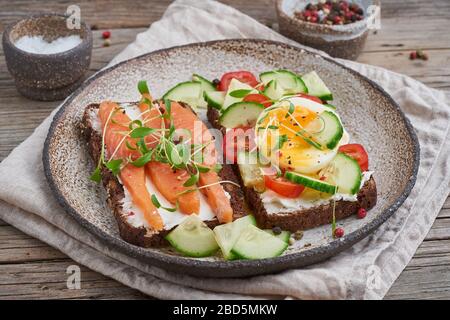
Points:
(338, 27)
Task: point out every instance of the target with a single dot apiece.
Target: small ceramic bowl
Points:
(47, 76)
(341, 41)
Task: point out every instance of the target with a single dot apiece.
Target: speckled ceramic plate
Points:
(369, 114)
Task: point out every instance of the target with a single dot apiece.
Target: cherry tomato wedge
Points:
(259, 98)
(283, 187)
(357, 152)
(260, 87)
(307, 96)
(243, 76)
(235, 140)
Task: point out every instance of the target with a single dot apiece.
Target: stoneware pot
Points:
(341, 41)
(369, 114)
(47, 76)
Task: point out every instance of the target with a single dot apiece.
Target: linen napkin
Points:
(365, 271)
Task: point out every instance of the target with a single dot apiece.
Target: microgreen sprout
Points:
(142, 87)
(166, 145)
(114, 165)
(158, 205)
(281, 139)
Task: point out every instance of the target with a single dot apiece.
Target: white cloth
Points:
(27, 203)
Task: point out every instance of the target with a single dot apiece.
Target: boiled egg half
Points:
(295, 134)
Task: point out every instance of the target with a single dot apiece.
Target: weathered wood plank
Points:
(440, 230)
(48, 280)
(405, 23)
(428, 274)
(431, 253)
(435, 72)
(422, 277)
(408, 34)
(405, 26)
(101, 13)
(16, 247)
(445, 213)
(446, 204)
(116, 14)
(31, 269)
(422, 283)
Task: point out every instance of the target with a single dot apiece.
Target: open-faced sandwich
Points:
(157, 174)
(297, 165)
(168, 181)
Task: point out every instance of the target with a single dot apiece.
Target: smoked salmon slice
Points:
(117, 127)
(152, 118)
(133, 178)
(184, 118)
(216, 196)
(168, 181)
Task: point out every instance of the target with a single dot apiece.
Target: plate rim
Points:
(237, 268)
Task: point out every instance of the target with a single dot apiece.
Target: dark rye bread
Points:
(115, 193)
(304, 218)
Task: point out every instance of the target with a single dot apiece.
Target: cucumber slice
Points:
(316, 86)
(188, 92)
(195, 102)
(310, 182)
(332, 131)
(255, 243)
(193, 238)
(214, 99)
(273, 90)
(346, 174)
(236, 85)
(250, 170)
(289, 81)
(283, 236)
(241, 114)
(206, 84)
(329, 105)
(227, 234)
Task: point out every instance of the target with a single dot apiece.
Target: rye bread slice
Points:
(303, 218)
(142, 236)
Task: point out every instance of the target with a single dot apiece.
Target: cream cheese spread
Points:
(275, 203)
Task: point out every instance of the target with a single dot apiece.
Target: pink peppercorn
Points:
(362, 213)
(339, 232)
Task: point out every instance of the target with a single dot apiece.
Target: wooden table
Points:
(32, 269)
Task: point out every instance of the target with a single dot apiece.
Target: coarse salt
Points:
(37, 44)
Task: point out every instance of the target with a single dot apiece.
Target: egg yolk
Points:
(302, 119)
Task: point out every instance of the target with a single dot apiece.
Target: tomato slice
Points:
(243, 76)
(357, 152)
(235, 140)
(283, 187)
(260, 87)
(259, 98)
(307, 96)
